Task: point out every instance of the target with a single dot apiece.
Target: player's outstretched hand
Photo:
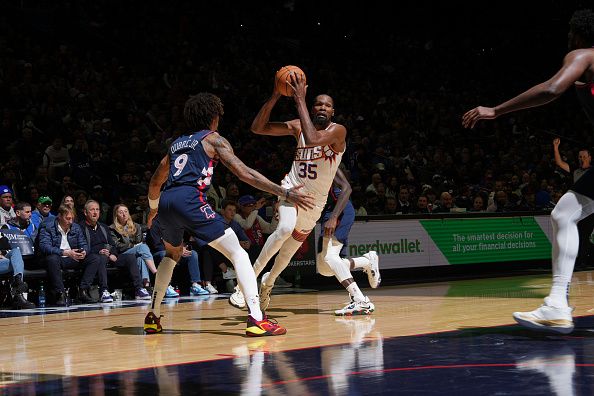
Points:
(470, 118)
(301, 199)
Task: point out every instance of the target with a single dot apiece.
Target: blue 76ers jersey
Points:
(189, 165)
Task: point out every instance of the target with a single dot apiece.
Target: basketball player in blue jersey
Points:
(188, 169)
(337, 219)
(320, 146)
(578, 71)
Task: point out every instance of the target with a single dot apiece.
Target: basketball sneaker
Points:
(229, 274)
(142, 294)
(237, 299)
(547, 318)
(152, 324)
(372, 271)
(106, 297)
(265, 291)
(171, 293)
(197, 290)
(211, 289)
(364, 307)
(264, 327)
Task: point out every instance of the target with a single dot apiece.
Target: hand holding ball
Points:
(282, 80)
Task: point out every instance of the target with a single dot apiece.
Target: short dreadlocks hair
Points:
(582, 24)
(201, 109)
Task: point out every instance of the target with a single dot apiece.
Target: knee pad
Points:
(322, 266)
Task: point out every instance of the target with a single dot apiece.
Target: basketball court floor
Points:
(436, 338)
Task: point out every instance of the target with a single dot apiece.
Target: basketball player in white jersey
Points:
(320, 146)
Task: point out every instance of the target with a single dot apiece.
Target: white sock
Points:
(361, 262)
(354, 291)
(229, 245)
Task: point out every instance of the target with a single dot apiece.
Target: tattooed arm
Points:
(219, 148)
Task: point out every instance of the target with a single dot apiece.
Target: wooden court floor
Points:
(94, 340)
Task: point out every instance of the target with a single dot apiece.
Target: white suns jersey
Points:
(314, 168)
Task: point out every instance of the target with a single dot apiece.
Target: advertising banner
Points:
(450, 241)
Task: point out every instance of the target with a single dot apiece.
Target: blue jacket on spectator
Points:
(50, 238)
(37, 219)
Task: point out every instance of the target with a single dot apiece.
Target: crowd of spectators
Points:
(91, 97)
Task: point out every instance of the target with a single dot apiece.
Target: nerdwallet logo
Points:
(387, 247)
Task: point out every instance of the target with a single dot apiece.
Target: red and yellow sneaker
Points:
(152, 324)
(264, 327)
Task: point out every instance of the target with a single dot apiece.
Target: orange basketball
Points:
(282, 76)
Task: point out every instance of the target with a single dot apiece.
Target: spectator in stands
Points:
(422, 203)
(391, 206)
(11, 260)
(213, 257)
(142, 209)
(217, 192)
(6, 209)
(189, 257)
(232, 191)
(22, 221)
(62, 245)
(98, 195)
(500, 203)
(358, 199)
(446, 203)
(404, 205)
(584, 159)
(464, 198)
(392, 187)
(376, 179)
(102, 249)
(69, 201)
(56, 159)
(128, 239)
(254, 226)
(80, 199)
(43, 211)
(372, 204)
(478, 204)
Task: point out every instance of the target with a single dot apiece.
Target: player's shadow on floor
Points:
(138, 331)
(298, 311)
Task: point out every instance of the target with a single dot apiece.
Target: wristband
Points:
(154, 203)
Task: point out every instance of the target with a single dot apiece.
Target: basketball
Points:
(282, 76)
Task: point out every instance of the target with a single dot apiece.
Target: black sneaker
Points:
(19, 302)
(85, 298)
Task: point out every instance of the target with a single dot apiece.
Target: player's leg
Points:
(287, 251)
(286, 224)
(330, 263)
(555, 314)
(152, 322)
(258, 324)
(369, 262)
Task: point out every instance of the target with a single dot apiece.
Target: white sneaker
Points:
(230, 274)
(547, 318)
(210, 288)
(364, 307)
(265, 291)
(373, 273)
(237, 299)
(280, 282)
